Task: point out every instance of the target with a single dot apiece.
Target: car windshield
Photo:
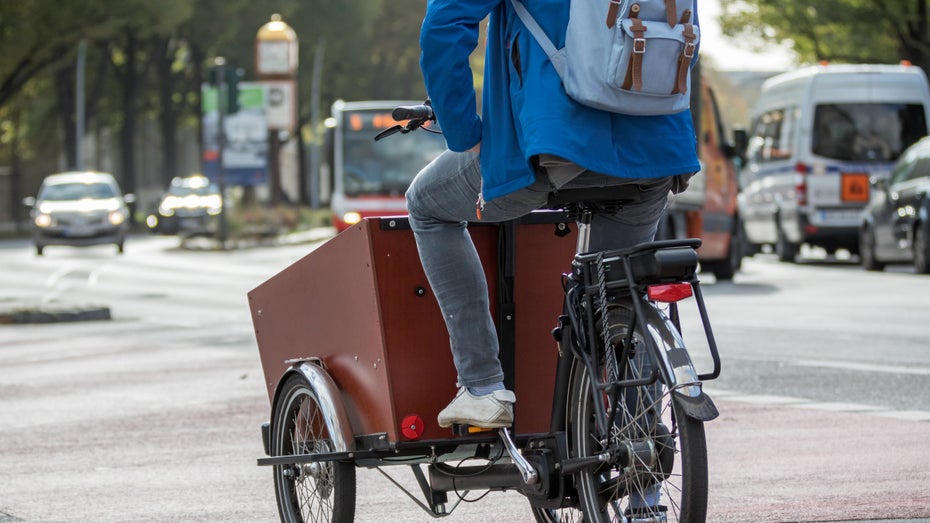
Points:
(78, 191)
(868, 132)
(187, 190)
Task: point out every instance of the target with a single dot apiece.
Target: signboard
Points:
(245, 157)
(281, 104)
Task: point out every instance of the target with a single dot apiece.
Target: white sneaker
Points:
(492, 411)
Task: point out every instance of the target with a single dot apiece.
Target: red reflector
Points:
(412, 427)
(669, 293)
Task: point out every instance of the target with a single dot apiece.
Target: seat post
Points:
(584, 231)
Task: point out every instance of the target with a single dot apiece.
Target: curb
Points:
(54, 315)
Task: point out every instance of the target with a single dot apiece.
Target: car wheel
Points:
(922, 248)
(867, 250)
(39, 249)
(119, 248)
(785, 250)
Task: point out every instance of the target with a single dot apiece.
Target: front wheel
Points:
(922, 248)
(656, 456)
(315, 491)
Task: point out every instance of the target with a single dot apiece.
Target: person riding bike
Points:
(530, 139)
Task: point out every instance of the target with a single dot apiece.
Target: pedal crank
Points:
(530, 475)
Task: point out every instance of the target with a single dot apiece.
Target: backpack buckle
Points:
(639, 46)
(689, 50)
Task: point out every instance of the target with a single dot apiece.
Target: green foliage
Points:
(850, 31)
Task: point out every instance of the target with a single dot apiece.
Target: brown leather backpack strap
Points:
(684, 60)
(685, 16)
(612, 13)
(671, 12)
(634, 73)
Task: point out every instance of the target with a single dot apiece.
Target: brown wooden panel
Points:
(541, 258)
(325, 305)
(362, 304)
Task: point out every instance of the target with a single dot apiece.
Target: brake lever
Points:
(412, 125)
(388, 132)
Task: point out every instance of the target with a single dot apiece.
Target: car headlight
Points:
(351, 217)
(116, 218)
(214, 204)
(43, 220)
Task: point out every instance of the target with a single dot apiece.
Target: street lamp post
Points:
(276, 65)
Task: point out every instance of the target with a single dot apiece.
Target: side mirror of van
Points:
(29, 201)
(129, 198)
(880, 184)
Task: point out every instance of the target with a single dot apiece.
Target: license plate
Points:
(839, 216)
(78, 232)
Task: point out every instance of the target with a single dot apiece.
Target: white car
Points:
(79, 209)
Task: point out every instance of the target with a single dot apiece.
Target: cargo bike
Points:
(610, 411)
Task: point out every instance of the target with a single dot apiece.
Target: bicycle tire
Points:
(674, 468)
(558, 515)
(322, 491)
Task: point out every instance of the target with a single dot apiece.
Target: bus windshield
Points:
(867, 132)
(385, 167)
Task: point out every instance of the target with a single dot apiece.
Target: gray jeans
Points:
(442, 199)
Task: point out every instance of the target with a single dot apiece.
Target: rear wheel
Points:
(316, 491)
(867, 250)
(657, 462)
(922, 248)
(725, 269)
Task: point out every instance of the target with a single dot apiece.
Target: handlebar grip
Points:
(409, 112)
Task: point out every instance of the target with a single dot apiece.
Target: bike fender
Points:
(678, 371)
(330, 402)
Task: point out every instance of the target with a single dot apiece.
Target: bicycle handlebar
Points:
(410, 112)
(414, 116)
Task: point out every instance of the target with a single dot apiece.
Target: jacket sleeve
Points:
(447, 38)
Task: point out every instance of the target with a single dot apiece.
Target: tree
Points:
(853, 31)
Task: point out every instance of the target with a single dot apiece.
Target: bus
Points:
(370, 178)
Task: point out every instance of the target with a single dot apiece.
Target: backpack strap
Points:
(684, 60)
(671, 12)
(538, 34)
(612, 13)
(634, 72)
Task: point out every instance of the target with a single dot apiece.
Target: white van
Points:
(817, 136)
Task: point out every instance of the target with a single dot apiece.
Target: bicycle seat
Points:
(592, 199)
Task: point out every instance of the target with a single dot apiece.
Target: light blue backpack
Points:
(624, 56)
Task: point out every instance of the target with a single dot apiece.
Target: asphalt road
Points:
(154, 414)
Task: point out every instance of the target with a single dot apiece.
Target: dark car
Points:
(79, 209)
(896, 223)
(189, 207)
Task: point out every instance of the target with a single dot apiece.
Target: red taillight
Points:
(669, 293)
(800, 185)
(412, 426)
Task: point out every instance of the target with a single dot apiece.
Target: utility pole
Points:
(221, 103)
(79, 107)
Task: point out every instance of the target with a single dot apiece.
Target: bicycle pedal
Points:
(468, 430)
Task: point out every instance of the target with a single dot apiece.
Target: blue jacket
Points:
(525, 111)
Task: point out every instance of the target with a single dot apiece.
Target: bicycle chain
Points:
(612, 371)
